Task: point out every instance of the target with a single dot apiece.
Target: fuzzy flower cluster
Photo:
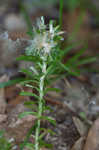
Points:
(45, 39)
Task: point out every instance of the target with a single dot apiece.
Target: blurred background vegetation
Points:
(80, 20)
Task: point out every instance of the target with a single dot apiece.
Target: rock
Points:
(94, 79)
(3, 118)
(9, 50)
(92, 142)
(14, 22)
(77, 97)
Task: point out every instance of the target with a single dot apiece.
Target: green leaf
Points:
(39, 64)
(77, 25)
(44, 144)
(30, 146)
(69, 70)
(33, 69)
(51, 132)
(22, 115)
(29, 81)
(67, 49)
(86, 60)
(83, 115)
(28, 58)
(1, 133)
(29, 94)
(30, 103)
(47, 131)
(11, 82)
(22, 145)
(51, 69)
(27, 72)
(74, 58)
(33, 87)
(42, 135)
(52, 89)
(45, 108)
(30, 74)
(51, 120)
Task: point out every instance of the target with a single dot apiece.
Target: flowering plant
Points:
(43, 51)
(46, 55)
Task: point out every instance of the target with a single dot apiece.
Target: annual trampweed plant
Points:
(44, 52)
(47, 56)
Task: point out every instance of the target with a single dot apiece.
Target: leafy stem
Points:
(40, 104)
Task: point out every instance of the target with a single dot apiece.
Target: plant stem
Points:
(60, 13)
(40, 105)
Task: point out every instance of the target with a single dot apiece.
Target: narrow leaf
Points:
(34, 70)
(86, 60)
(30, 146)
(52, 121)
(29, 94)
(28, 58)
(29, 81)
(33, 87)
(44, 144)
(76, 56)
(30, 103)
(52, 89)
(27, 72)
(22, 115)
(11, 82)
(66, 68)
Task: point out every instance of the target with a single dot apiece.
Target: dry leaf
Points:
(92, 142)
(81, 127)
(79, 144)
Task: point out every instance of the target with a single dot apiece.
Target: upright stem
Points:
(60, 13)
(40, 105)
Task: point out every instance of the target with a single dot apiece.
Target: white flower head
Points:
(45, 39)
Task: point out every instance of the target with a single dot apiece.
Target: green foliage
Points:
(4, 144)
